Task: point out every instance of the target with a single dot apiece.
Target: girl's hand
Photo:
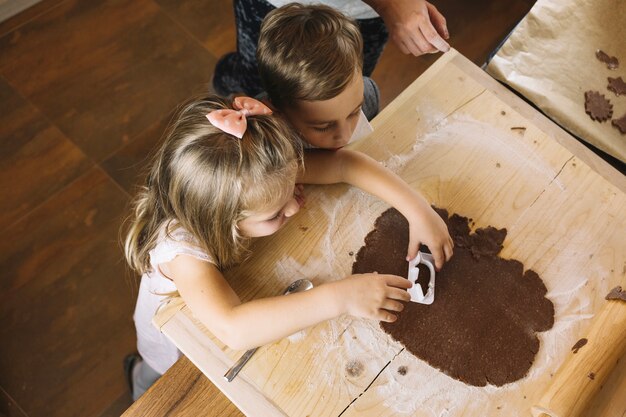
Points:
(374, 296)
(428, 228)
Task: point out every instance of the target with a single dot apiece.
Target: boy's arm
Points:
(358, 169)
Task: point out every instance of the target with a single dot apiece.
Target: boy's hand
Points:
(428, 228)
(415, 26)
(374, 296)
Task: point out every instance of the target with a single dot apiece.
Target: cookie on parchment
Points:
(620, 124)
(610, 61)
(617, 85)
(597, 106)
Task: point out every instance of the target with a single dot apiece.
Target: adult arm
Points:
(415, 26)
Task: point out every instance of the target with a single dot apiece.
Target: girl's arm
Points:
(358, 169)
(257, 322)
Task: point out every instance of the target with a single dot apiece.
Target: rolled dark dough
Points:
(482, 325)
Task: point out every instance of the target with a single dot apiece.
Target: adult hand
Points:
(415, 26)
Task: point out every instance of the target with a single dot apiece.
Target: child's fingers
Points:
(392, 305)
(448, 249)
(397, 282)
(439, 256)
(399, 294)
(386, 316)
(414, 246)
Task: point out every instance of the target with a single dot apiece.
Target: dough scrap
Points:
(616, 294)
(481, 328)
(582, 342)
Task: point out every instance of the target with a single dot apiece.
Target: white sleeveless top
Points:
(153, 346)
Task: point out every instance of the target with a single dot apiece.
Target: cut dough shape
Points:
(617, 85)
(481, 328)
(597, 106)
(620, 124)
(610, 61)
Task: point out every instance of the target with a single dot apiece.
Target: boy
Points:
(415, 26)
(310, 61)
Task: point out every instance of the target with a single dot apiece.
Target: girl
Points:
(222, 176)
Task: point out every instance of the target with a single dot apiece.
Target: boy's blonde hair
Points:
(208, 180)
(307, 53)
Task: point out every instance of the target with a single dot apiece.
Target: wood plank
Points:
(135, 64)
(183, 391)
(38, 158)
(210, 22)
(65, 305)
(128, 165)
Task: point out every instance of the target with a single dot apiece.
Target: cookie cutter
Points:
(417, 295)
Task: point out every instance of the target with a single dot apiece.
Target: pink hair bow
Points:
(233, 121)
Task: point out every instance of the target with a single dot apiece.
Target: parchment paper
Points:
(550, 59)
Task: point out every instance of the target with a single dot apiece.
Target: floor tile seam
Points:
(87, 172)
(179, 24)
(13, 400)
(26, 22)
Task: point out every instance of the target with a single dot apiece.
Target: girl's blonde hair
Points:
(208, 180)
(307, 53)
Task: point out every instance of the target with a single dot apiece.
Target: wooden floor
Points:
(86, 88)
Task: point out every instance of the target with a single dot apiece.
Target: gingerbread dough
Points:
(610, 61)
(620, 124)
(617, 85)
(481, 328)
(582, 342)
(617, 294)
(597, 106)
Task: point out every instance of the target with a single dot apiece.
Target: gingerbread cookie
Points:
(597, 106)
(617, 85)
(610, 61)
(620, 124)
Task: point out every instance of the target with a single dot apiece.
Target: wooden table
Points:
(563, 207)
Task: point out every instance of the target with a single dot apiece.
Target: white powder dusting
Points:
(297, 337)
(346, 341)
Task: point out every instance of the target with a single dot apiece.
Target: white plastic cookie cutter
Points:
(417, 295)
